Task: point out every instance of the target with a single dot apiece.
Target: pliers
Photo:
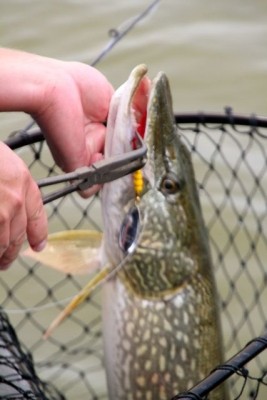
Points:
(100, 172)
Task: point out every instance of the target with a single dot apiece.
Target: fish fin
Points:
(77, 300)
(75, 252)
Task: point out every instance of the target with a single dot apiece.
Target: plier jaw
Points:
(101, 172)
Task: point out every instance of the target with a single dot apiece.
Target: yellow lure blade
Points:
(138, 182)
(77, 300)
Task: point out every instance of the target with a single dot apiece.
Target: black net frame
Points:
(230, 158)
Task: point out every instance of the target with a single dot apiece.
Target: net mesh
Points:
(230, 157)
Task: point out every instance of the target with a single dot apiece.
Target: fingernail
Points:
(40, 246)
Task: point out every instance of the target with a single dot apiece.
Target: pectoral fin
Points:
(78, 299)
(73, 252)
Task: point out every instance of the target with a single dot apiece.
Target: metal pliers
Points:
(98, 173)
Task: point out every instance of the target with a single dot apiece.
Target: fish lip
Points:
(159, 129)
(124, 112)
(159, 100)
(138, 95)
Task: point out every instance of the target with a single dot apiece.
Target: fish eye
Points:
(170, 184)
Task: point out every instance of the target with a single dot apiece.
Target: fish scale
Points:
(162, 332)
(154, 346)
(154, 265)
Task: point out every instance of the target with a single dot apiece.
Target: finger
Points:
(4, 233)
(94, 189)
(96, 92)
(12, 251)
(95, 139)
(90, 192)
(36, 218)
(14, 235)
(4, 265)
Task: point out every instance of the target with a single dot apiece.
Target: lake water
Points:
(213, 52)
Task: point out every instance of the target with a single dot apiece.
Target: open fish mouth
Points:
(142, 106)
(128, 111)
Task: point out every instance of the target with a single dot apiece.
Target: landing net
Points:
(229, 154)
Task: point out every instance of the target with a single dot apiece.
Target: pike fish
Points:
(162, 332)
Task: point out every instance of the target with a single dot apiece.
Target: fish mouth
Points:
(143, 106)
(140, 105)
(154, 122)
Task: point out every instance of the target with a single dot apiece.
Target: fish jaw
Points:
(173, 230)
(128, 105)
(160, 128)
(135, 106)
(161, 326)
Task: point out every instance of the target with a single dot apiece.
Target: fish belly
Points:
(155, 349)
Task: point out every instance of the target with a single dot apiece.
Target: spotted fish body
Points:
(161, 326)
(160, 317)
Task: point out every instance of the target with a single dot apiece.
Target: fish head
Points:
(127, 113)
(172, 244)
(162, 300)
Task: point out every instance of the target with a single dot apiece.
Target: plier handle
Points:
(100, 172)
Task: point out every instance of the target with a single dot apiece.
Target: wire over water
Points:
(117, 34)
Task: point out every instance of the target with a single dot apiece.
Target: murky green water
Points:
(213, 52)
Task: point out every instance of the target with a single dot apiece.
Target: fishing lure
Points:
(138, 182)
(138, 179)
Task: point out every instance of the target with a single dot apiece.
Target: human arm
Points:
(70, 102)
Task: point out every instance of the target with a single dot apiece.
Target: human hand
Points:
(21, 212)
(72, 119)
(69, 100)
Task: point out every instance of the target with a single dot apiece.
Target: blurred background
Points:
(214, 52)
